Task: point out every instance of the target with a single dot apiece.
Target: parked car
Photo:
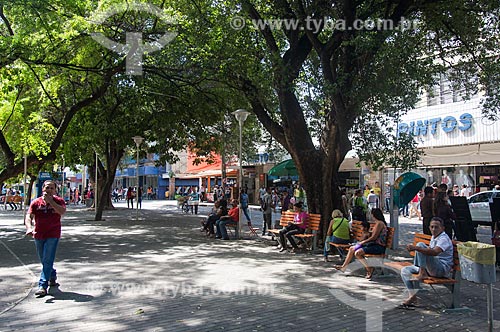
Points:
(479, 205)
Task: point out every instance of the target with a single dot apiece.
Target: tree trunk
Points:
(107, 177)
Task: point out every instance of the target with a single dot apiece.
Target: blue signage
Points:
(448, 124)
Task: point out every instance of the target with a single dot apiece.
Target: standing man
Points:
(378, 191)
(46, 212)
(426, 209)
(244, 205)
(387, 196)
(373, 200)
(266, 210)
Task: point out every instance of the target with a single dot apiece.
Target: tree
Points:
(50, 72)
(323, 89)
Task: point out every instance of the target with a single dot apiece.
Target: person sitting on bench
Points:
(435, 260)
(374, 245)
(298, 226)
(233, 216)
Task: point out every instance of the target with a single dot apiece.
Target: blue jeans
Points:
(46, 250)
(221, 227)
(333, 238)
(431, 264)
(245, 211)
(404, 210)
(387, 206)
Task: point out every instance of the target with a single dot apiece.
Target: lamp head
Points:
(138, 140)
(241, 115)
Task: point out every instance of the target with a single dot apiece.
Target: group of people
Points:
(13, 198)
(434, 260)
(218, 219)
(43, 222)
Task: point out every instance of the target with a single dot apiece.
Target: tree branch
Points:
(6, 21)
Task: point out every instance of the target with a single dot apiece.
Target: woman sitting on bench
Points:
(338, 232)
(374, 245)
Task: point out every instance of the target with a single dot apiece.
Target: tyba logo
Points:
(134, 48)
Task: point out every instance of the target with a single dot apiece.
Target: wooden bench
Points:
(453, 283)
(286, 217)
(311, 232)
(357, 232)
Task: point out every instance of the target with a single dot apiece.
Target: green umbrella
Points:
(285, 168)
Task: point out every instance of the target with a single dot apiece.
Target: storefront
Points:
(460, 145)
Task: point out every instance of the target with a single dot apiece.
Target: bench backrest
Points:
(286, 217)
(357, 232)
(426, 239)
(312, 222)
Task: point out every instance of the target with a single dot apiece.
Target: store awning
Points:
(208, 173)
(474, 154)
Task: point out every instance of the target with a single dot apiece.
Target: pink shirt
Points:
(301, 219)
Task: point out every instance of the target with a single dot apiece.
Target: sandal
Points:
(369, 273)
(339, 268)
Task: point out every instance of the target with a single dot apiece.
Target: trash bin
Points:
(477, 262)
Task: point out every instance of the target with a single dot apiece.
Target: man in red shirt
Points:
(233, 216)
(46, 212)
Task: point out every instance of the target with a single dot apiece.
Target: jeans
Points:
(387, 204)
(211, 220)
(333, 238)
(245, 211)
(267, 222)
(289, 231)
(221, 227)
(404, 210)
(431, 264)
(46, 250)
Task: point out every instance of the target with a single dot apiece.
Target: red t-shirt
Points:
(47, 221)
(234, 213)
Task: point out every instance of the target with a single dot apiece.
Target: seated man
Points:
(435, 261)
(233, 216)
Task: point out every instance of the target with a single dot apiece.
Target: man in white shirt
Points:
(435, 260)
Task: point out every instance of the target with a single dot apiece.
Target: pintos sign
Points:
(447, 124)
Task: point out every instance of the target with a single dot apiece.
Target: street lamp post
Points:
(62, 188)
(138, 141)
(241, 115)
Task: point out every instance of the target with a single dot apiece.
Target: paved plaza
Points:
(160, 273)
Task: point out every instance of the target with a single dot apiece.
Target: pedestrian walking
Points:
(267, 209)
(130, 198)
(45, 213)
